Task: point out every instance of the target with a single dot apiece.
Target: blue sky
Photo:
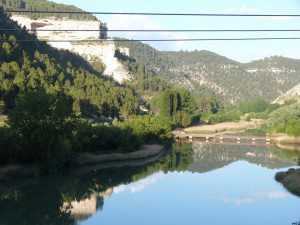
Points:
(240, 51)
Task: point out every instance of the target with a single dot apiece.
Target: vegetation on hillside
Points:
(45, 5)
(48, 100)
(204, 71)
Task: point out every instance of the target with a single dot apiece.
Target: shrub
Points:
(254, 106)
(225, 116)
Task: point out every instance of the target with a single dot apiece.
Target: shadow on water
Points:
(75, 196)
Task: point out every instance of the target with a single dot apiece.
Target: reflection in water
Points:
(68, 198)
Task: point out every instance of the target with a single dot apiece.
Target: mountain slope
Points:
(44, 5)
(294, 93)
(36, 65)
(234, 81)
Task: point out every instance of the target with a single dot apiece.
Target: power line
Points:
(159, 40)
(176, 30)
(151, 14)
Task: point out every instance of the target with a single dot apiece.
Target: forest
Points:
(203, 72)
(44, 5)
(51, 109)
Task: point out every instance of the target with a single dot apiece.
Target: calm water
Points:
(192, 183)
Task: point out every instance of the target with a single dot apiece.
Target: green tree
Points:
(40, 123)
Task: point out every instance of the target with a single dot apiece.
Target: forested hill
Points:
(234, 81)
(30, 66)
(44, 5)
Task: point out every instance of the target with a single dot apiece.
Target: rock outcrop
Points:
(103, 51)
(294, 93)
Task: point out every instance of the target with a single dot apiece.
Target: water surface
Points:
(192, 183)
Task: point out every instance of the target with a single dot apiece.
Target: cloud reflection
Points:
(254, 196)
(139, 185)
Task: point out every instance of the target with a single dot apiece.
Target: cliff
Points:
(99, 51)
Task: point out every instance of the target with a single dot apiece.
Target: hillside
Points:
(234, 81)
(294, 93)
(36, 65)
(44, 5)
(201, 72)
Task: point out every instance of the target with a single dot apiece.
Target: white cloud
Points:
(139, 185)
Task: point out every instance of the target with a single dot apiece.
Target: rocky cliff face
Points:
(105, 52)
(294, 93)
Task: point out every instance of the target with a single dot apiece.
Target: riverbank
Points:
(227, 127)
(288, 140)
(145, 152)
(81, 159)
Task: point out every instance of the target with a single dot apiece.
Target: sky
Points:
(242, 51)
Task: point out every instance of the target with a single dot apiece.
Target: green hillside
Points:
(199, 71)
(36, 65)
(44, 5)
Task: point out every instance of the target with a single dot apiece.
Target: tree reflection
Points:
(68, 198)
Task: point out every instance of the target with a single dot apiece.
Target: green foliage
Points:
(176, 104)
(286, 119)
(44, 5)
(254, 106)
(293, 127)
(228, 115)
(150, 128)
(36, 66)
(40, 123)
(104, 138)
(207, 103)
(43, 131)
(144, 79)
(189, 69)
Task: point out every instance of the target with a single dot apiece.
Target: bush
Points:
(286, 119)
(149, 128)
(224, 116)
(41, 127)
(254, 106)
(104, 138)
(293, 128)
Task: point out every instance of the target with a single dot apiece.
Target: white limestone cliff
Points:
(105, 51)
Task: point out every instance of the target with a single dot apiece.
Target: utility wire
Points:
(159, 40)
(151, 14)
(120, 30)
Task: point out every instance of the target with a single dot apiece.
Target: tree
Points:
(40, 123)
(103, 31)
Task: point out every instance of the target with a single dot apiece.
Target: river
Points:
(190, 183)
